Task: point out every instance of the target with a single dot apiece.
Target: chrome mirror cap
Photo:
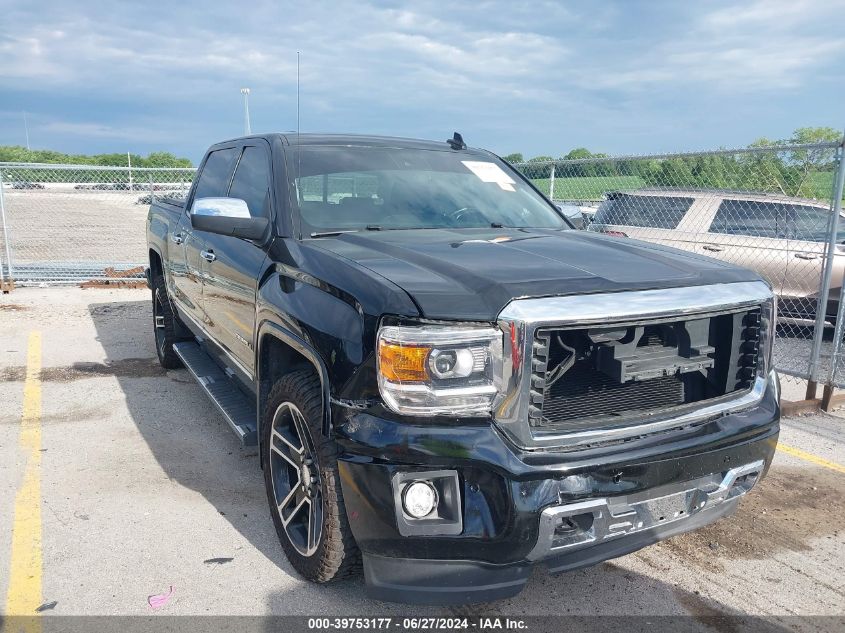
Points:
(220, 207)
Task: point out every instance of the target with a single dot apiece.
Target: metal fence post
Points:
(5, 286)
(840, 308)
(552, 184)
(827, 394)
(827, 273)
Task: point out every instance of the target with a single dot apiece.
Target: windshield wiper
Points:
(369, 227)
(333, 233)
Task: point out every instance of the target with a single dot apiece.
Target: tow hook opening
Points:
(574, 529)
(743, 484)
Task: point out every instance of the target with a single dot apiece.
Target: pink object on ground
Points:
(158, 601)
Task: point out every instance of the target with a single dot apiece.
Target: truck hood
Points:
(472, 274)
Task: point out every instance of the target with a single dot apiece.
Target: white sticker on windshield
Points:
(490, 172)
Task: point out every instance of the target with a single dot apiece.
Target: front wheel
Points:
(303, 487)
(165, 326)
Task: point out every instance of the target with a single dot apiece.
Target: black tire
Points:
(335, 555)
(165, 326)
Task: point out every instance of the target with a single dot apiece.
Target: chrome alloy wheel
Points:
(295, 474)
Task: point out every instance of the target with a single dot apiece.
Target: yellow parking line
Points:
(24, 594)
(814, 459)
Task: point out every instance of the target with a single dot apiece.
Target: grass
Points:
(587, 187)
(819, 186)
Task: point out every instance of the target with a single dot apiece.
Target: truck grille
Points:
(601, 377)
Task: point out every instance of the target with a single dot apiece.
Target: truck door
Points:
(213, 181)
(184, 251)
(232, 265)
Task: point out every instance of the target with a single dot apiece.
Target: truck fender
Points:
(269, 328)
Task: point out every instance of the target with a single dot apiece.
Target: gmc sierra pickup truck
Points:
(446, 382)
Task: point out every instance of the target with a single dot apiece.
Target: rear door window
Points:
(252, 181)
(659, 212)
(809, 224)
(751, 218)
(216, 173)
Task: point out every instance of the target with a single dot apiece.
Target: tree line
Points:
(19, 154)
(797, 172)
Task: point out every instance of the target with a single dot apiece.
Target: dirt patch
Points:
(126, 368)
(783, 512)
(139, 308)
(65, 415)
(12, 374)
(705, 612)
(12, 307)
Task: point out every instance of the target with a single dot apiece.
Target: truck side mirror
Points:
(227, 216)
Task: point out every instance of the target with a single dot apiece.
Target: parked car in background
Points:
(573, 214)
(23, 184)
(172, 196)
(781, 237)
(589, 212)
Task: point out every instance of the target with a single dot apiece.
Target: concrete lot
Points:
(99, 222)
(141, 482)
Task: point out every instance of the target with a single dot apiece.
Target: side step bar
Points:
(236, 407)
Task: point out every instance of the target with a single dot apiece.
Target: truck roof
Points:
(371, 140)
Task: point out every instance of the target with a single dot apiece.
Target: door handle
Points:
(806, 256)
(208, 256)
(712, 247)
(177, 238)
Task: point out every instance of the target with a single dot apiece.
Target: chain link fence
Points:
(770, 209)
(68, 224)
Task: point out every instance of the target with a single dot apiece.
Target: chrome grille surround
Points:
(521, 319)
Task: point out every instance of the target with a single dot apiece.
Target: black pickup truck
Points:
(447, 383)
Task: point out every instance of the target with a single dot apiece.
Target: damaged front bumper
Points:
(517, 508)
(586, 523)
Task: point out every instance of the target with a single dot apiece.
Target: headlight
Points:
(439, 369)
(768, 326)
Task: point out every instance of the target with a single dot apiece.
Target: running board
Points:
(236, 407)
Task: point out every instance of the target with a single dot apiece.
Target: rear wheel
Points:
(303, 487)
(165, 326)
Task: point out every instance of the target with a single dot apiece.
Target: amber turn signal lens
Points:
(402, 363)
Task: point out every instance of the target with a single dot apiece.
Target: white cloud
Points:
(518, 71)
(768, 45)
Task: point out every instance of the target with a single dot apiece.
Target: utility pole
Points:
(129, 163)
(26, 129)
(247, 128)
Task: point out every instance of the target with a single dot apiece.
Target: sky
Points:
(534, 77)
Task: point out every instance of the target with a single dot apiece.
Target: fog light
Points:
(419, 499)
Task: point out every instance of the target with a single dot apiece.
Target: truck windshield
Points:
(358, 188)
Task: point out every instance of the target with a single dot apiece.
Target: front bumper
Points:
(565, 510)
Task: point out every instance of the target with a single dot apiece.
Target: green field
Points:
(587, 187)
(818, 186)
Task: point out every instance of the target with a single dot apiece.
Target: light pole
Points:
(26, 129)
(245, 93)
